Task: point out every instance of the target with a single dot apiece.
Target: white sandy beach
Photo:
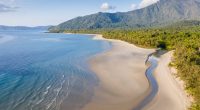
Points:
(123, 83)
(121, 72)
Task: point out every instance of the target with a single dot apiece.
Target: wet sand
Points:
(171, 95)
(122, 80)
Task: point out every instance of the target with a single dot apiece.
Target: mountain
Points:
(2, 27)
(164, 12)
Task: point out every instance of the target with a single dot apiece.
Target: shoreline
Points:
(169, 97)
(120, 87)
(96, 66)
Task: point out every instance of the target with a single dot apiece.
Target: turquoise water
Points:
(45, 71)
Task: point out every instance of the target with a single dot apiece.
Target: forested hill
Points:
(161, 13)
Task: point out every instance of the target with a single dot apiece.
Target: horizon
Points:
(32, 13)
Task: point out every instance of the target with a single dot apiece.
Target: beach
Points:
(121, 73)
(123, 84)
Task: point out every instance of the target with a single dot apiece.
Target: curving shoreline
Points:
(123, 84)
(123, 87)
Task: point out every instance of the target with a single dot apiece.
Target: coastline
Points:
(120, 87)
(121, 71)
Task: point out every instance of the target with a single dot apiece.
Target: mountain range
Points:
(164, 12)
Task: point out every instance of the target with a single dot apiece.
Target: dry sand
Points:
(123, 84)
(171, 95)
(122, 80)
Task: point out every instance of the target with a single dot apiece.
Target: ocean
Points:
(47, 71)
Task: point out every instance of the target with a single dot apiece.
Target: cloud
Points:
(7, 5)
(4, 8)
(106, 7)
(134, 6)
(146, 3)
(7, 2)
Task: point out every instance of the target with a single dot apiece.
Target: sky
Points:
(53, 12)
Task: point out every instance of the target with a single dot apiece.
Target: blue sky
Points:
(52, 12)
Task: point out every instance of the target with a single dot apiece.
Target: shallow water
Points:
(153, 60)
(43, 71)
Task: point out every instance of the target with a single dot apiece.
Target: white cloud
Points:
(134, 6)
(7, 5)
(146, 3)
(7, 2)
(106, 7)
(4, 8)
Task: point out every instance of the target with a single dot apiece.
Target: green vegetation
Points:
(185, 41)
